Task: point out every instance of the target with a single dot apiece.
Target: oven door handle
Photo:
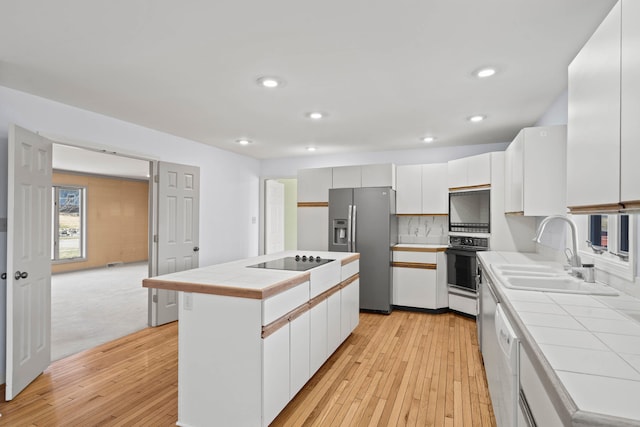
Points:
(461, 252)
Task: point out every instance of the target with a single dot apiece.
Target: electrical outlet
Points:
(188, 300)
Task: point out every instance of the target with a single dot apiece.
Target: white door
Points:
(178, 231)
(274, 218)
(28, 259)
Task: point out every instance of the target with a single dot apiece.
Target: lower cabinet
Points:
(419, 277)
(276, 374)
(318, 327)
(334, 311)
(300, 347)
(350, 308)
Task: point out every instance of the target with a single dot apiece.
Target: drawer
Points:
(324, 277)
(349, 270)
(413, 256)
(282, 303)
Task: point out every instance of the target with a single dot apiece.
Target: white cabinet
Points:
(382, 175)
(275, 383)
(347, 177)
(630, 106)
(469, 172)
(318, 324)
(314, 184)
(300, 345)
(603, 128)
(435, 197)
(350, 304)
(419, 277)
(334, 311)
(535, 172)
(409, 191)
(422, 189)
(313, 228)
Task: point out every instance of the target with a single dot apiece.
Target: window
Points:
(68, 223)
(610, 233)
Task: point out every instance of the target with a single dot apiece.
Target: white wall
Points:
(229, 182)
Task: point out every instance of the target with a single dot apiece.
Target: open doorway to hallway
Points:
(100, 250)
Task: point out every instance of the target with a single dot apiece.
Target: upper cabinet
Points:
(535, 176)
(347, 177)
(383, 175)
(422, 189)
(603, 128)
(470, 172)
(630, 102)
(314, 184)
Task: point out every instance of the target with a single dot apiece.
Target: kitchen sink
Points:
(544, 278)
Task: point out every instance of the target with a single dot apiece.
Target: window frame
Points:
(55, 224)
(608, 261)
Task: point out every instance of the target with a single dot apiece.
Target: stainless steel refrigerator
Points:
(363, 220)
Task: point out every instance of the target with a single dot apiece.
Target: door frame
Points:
(152, 201)
(262, 206)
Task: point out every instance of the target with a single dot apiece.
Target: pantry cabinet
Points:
(469, 172)
(535, 172)
(603, 128)
(422, 189)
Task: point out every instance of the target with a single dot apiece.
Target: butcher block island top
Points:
(250, 335)
(238, 279)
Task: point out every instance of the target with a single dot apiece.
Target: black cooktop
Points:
(297, 263)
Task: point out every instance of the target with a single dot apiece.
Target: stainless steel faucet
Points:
(574, 260)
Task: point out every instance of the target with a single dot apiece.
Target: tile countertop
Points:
(587, 346)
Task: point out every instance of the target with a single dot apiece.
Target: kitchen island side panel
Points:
(220, 361)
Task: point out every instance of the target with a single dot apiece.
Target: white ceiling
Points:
(387, 72)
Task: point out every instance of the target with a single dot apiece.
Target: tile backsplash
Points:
(428, 230)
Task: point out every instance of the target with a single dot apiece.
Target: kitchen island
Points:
(249, 338)
(579, 355)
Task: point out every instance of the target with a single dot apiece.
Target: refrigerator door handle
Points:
(353, 229)
(349, 221)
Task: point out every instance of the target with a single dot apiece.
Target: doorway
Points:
(280, 215)
(100, 251)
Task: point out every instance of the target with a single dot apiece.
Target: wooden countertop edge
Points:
(422, 214)
(470, 187)
(420, 265)
(228, 291)
(410, 249)
(350, 259)
(313, 204)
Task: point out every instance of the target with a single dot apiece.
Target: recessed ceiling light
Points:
(243, 142)
(270, 82)
(485, 72)
(428, 139)
(477, 118)
(311, 148)
(316, 115)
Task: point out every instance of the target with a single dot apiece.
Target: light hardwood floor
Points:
(402, 369)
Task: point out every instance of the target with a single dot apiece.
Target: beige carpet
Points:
(92, 307)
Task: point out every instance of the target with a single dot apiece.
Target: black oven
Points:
(462, 266)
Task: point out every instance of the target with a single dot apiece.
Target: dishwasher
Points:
(504, 391)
